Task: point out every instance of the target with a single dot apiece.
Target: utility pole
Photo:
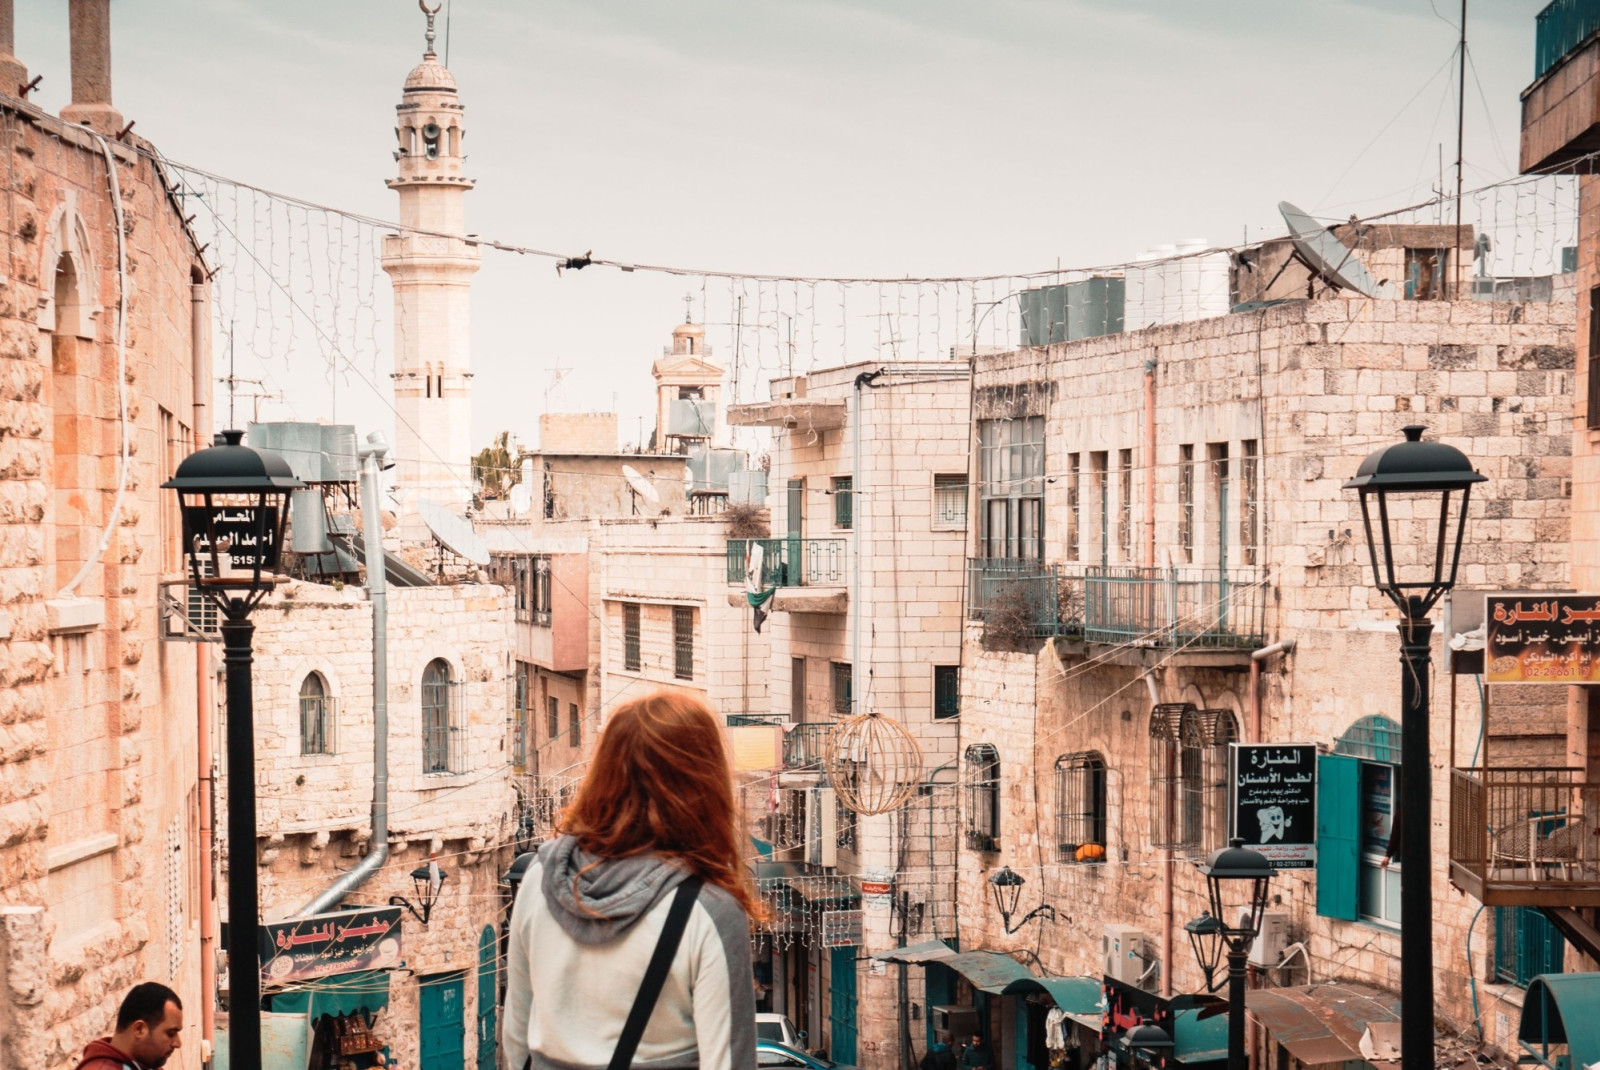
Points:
(1461, 110)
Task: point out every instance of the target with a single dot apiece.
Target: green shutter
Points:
(1338, 836)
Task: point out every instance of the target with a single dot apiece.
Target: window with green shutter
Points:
(843, 501)
(1338, 836)
(1525, 945)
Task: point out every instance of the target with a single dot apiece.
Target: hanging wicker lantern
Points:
(874, 764)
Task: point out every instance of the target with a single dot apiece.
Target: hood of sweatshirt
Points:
(103, 1049)
(596, 900)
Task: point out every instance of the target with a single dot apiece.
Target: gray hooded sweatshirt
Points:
(582, 932)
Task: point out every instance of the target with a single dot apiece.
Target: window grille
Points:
(1125, 504)
(946, 691)
(553, 719)
(1525, 945)
(843, 687)
(1374, 738)
(519, 716)
(1074, 507)
(1249, 510)
(574, 725)
(316, 716)
(1189, 777)
(520, 589)
(1011, 499)
(631, 660)
(843, 501)
(950, 501)
(442, 729)
(683, 642)
(542, 584)
(983, 797)
(846, 826)
(1081, 807)
(175, 897)
(1186, 502)
(1593, 413)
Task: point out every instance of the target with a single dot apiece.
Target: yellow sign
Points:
(755, 748)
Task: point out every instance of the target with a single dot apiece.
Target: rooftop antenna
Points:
(556, 373)
(1461, 107)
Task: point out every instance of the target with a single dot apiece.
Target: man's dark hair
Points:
(146, 1003)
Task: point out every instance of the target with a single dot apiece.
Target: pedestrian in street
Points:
(939, 1057)
(636, 945)
(977, 1056)
(149, 1028)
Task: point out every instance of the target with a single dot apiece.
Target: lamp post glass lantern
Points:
(1237, 879)
(1151, 1042)
(235, 504)
(1419, 492)
(1006, 887)
(428, 879)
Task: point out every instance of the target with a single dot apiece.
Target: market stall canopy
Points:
(1560, 1008)
(1322, 1023)
(1199, 1040)
(1079, 998)
(988, 971)
(367, 991)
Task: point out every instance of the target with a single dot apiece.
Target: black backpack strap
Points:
(655, 975)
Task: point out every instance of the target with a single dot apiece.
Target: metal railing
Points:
(1024, 596)
(1559, 29)
(1525, 828)
(791, 562)
(805, 745)
(745, 720)
(1174, 606)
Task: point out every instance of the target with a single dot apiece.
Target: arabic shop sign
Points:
(1542, 640)
(842, 928)
(244, 534)
(1274, 801)
(326, 944)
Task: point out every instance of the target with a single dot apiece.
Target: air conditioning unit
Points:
(1126, 951)
(822, 827)
(1273, 939)
(951, 1023)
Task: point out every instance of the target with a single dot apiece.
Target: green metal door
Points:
(443, 1021)
(488, 989)
(842, 1005)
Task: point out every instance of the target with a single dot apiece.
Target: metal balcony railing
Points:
(805, 745)
(1178, 607)
(1525, 836)
(791, 562)
(1559, 29)
(745, 720)
(1024, 596)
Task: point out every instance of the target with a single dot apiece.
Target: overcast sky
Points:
(897, 137)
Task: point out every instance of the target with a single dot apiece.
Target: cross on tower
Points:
(688, 308)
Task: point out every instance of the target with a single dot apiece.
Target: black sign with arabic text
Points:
(323, 945)
(1274, 801)
(251, 536)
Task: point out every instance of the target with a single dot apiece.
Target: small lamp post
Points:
(1236, 881)
(428, 880)
(1420, 491)
(1150, 1041)
(235, 504)
(1006, 886)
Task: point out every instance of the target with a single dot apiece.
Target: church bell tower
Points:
(431, 264)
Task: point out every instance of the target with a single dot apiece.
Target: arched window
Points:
(441, 719)
(983, 797)
(1081, 807)
(316, 715)
(1189, 776)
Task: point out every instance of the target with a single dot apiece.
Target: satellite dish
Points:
(641, 485)
(453, 532)
(1329, 258)
(522, 493)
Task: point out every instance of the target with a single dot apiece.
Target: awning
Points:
(987, 971)
(367, 990)
(1321, 1023)
(1562, 1008)
(1199, 1040)
(819, 889)
(1079, 998)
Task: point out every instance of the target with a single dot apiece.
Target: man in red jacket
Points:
(149, 1028)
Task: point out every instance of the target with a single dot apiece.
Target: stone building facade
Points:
(1151, 579)
(102, 313)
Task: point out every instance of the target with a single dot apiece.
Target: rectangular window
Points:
(983, 797)
(1380, 868)
(1525, 945)
(797, 690)
(539, 592)
(683, 642)
(1081, 807)
(574, 725)
(843, 687)
(1249, 507)
(553, 719)
(1186, 502)
(519, 716)
(167, 517)
(843, 501)
(631, 660)
(1189, 777)
(946, 691)
(1074, 507)
(1426, 273)
(520, 588)
(1594, 360)
(1125, 504)
(1011, 499)
(1218, 505)
(950, 502)
(1099, 507)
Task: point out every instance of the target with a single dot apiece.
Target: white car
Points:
(778, 1027)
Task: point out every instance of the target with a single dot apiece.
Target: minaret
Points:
(432, 277)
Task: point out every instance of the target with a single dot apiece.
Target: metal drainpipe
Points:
(1150, 463)
(378, 593)
(204, 711)
(1285, 646)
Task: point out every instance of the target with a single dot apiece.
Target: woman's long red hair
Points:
(660, 781)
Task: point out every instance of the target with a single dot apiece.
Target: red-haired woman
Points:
(649, 869)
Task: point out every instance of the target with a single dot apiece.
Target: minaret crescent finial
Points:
(430, 12)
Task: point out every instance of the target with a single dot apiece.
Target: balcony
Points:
(1021, 599)
(1525, 837)
(1559, 29)
(810, 573)
(1561, 109)
(1174, 607)
(806, 745)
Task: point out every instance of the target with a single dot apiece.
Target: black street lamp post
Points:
(1235, 866)
(1150, 1042)
(1006, 884)
(427, 879)
(1421, 490)
(234, 501)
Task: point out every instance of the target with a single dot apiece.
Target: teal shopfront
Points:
(341, 1012)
